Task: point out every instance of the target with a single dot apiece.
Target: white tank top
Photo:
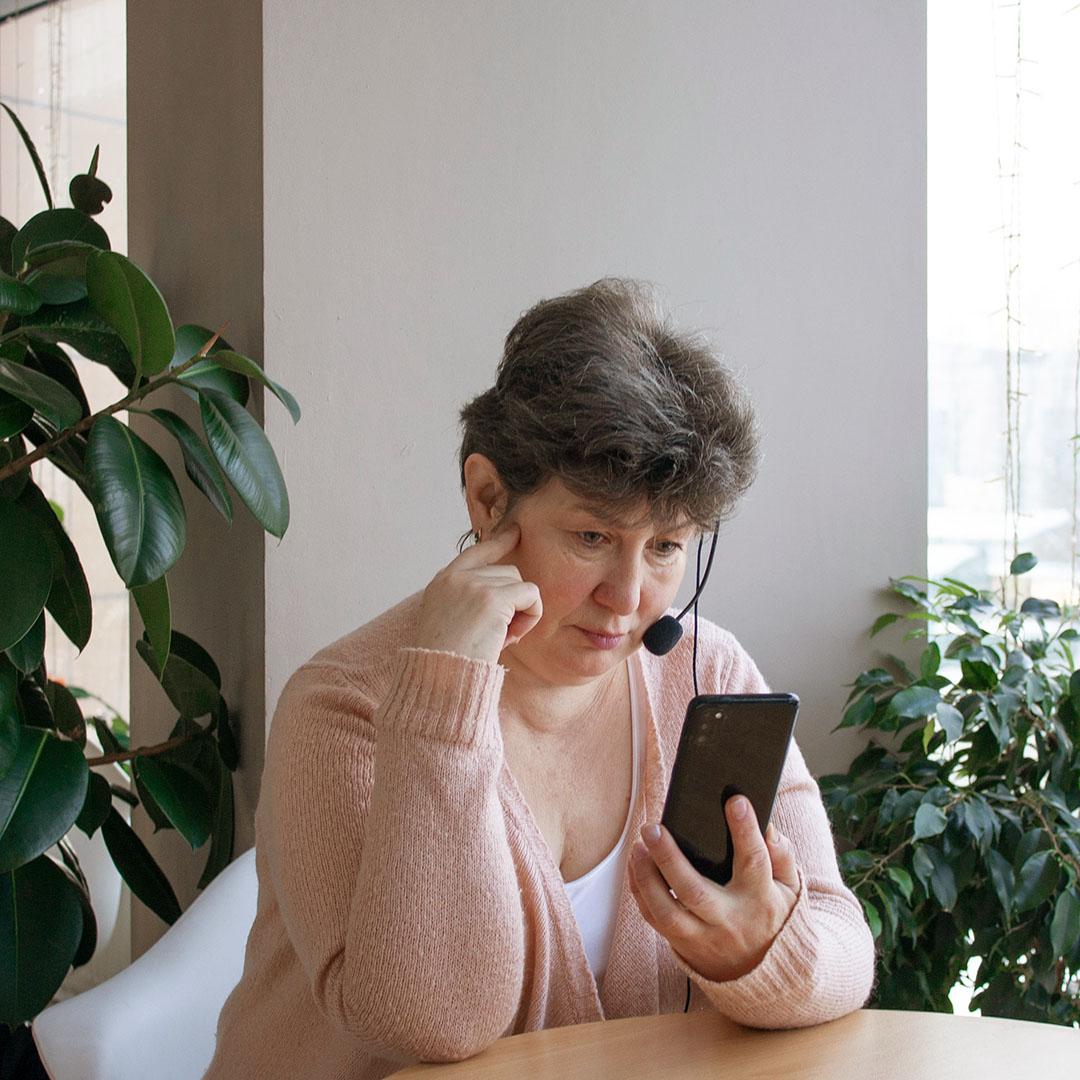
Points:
(595, 895)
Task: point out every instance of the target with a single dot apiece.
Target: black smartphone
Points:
(731, 744)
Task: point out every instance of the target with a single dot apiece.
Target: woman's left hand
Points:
(721, 931)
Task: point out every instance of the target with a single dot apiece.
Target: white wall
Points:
(433, 168)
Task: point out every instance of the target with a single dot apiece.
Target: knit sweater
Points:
(410, 909)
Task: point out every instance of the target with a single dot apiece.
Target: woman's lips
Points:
(601, 640)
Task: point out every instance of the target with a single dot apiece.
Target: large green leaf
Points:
(9, 714)
(28, 652)
(10, 451)
(138, 868)
(49, 397)
(222, 832)
(1036, 880)
(57, 272)
(31, 149)
(69, 597)
(181, 794)
(153, 603)
(67, 716)
(40, 795)
(247, 459)
(206, 374)
(26, 568)
(929, 821)
(914, 702)
(199, 463)
(137, 503)
(243, 366)
(14, 414)
(188, 688)
(17, 298)
(53, 227)
(41, 925)
(79, 326)
(53, 361)
(1065, 927)
(96, 805)
(130, 303)
(7, 234)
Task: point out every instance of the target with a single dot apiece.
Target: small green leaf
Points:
(96, 805)
(130, 302)
(951, 720)
(903, 881)
(882, 621)
(139, 869)
(227, 747)
(152, 600)
(89, 193)
(930, 660)
(915, 702)
(929, 821)
(1023, 563)
(977, 675)
(67, 716)
(872, 917)
(247, 459)
(188, 688)
(41, 926)
(1037, 879)
(1041, 609)
(222, 833)
(242, 365)
(24, 555)
(14, 415)
(1065, 928)
(943, 883)
(859, 712)
(1002, 878)
(40, 796)
(137, 502)
(52, 399)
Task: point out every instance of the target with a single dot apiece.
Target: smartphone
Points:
(731, 744)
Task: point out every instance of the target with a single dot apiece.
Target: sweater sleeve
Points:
(821, 964)
(388, 854)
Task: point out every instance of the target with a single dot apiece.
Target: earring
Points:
(476, 537)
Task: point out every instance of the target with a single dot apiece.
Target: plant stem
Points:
(146, 751)
(86, 422)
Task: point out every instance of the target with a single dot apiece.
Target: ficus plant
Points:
(958, 824)
(61, 290)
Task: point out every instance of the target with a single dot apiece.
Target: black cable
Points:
(697, 587)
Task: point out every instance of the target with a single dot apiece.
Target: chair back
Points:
(158, 1017)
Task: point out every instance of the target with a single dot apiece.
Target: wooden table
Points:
(867, 1045)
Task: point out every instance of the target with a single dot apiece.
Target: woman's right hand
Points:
(477, 606)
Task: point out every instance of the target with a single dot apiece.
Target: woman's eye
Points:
(667, 547)
(591, 539)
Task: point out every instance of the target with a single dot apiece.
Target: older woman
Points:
(447, 839)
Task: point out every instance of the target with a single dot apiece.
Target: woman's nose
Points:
(620, 589)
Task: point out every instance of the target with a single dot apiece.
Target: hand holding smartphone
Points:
(731, 744)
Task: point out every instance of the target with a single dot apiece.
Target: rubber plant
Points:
(958, 824)
(61, 288)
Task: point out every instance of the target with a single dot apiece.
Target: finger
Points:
(684, 881)
(784, 868)
(751, 864)
(529, 609)
(654, 900)
(492, 548)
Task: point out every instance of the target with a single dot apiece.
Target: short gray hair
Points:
(599, 389)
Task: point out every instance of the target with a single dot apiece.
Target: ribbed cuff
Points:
(440, 695)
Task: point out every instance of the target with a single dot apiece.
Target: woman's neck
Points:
(544, 710)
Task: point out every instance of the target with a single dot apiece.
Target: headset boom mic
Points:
(662, 636)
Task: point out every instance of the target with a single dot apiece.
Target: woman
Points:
(447, 839)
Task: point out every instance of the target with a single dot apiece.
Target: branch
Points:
(146, 751)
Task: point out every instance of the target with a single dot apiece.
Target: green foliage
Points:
(61, 286)
(958, 824)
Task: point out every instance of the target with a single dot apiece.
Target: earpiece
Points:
(664, 634)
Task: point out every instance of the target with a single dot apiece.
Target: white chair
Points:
(158, 1017)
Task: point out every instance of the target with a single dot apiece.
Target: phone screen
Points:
(731, 744)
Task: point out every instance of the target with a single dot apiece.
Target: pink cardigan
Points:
(410, 909)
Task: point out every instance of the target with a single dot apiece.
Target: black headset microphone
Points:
(664, 634)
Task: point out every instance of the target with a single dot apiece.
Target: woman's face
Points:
(603, 584)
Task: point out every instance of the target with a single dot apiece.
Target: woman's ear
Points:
(485, 493)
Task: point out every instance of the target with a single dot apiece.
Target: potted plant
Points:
(958, 823)
(61, 286)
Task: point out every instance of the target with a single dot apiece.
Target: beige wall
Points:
(433, 168)
(195, 224)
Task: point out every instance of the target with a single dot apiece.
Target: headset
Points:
(664, 634)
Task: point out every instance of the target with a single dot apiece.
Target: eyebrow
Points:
(620, 520)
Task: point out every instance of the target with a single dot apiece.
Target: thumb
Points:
(751, 863)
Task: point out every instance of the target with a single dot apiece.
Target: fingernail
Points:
(650, 833)
(739, 807)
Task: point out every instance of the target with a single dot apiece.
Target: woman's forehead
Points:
(636, 514)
